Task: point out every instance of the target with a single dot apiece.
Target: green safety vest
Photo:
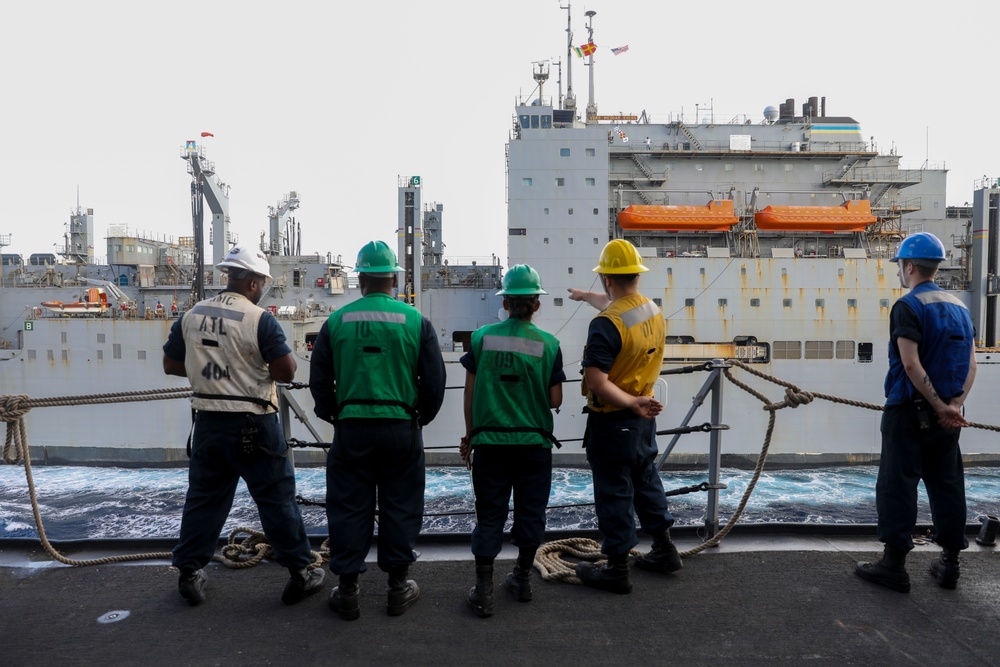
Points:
(510, 401)
(376, 343)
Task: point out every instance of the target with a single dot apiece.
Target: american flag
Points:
(620, 50)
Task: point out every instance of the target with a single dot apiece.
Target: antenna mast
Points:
(570, 103)
(591, 105)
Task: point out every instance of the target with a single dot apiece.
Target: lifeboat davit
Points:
(716, 216)
(851, 216)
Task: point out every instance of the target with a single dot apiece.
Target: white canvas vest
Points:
(223, 358)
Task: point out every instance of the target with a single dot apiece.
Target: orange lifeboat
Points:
(716, 216)
(851, 216)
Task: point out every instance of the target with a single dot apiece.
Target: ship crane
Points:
(205, 186)
(285, 232)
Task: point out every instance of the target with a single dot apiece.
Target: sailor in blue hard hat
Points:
(932, 366)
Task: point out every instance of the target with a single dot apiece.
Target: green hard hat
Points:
(376, 257)
(523, 280)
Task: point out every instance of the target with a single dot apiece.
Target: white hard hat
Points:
(241, 257)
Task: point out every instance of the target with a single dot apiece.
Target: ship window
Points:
(821, 303)
(100, 338)
(670, 270)
(729, 166)
(702, 270)
(563, 152)
(100, 355)
(817, 167)
(296, 278)
(595, 240)
(571, 238)
(546, 121)
(789, 167)
(560, 182)
(142, 355)
(784, 272)
(658, 301)
(534, 122)
(32, 355)
(557, 301)
(883, 303)
(852, 303)
(840, 272)
(698, 166)
(591, 182)
(723, 303)
(758, 166)
(819, 349)
(743, 270)
(786, 303)
(689, 303)
(461, 340)
(569, 211)
(591, 152)
(118, 247)
(62, 337)
(65, 355)
(881, 272)
(569, 270)
(546, 210)
(116, 351)
(526, 182)
(517, 231)
(50, 355)
(786, 349)
(845, 349)
(865, 352)
(545, 241)
(755, 303)
(595, 213)
(525, 120)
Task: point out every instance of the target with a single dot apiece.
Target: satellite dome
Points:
(771, 113)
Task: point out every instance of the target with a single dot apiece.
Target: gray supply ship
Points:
(768, 239)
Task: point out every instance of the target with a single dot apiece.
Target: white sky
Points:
(338, 100)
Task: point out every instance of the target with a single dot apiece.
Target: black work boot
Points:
(947, 569)
(303, 583)
(612, 576)
(344, 598)
(192, 586)
(481, 595)
(518, 581)
(888, 571)
(662, 557)
(402, 592)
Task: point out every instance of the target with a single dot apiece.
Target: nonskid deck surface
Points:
(754, 600)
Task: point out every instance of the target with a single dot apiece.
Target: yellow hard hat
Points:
(621, 257)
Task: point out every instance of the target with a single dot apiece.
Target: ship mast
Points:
(591, 105)
(570, 104)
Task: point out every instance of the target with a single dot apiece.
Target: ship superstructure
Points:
(768, 240)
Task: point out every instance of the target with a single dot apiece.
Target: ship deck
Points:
(755, 599)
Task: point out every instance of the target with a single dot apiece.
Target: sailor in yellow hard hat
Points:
(621, 363)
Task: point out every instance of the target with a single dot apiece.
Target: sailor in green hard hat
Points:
(513, 382)
(377, 373)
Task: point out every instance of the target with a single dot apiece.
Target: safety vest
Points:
(514, 362)
(376, 344)
(637, 366)
(945, 346)
(222, 356)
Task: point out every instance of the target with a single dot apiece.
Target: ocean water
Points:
(101, 503)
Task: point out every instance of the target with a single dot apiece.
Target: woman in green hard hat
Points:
(513, 382)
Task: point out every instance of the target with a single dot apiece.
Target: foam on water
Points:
(80, 503)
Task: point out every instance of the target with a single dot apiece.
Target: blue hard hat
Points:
(922, 245)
